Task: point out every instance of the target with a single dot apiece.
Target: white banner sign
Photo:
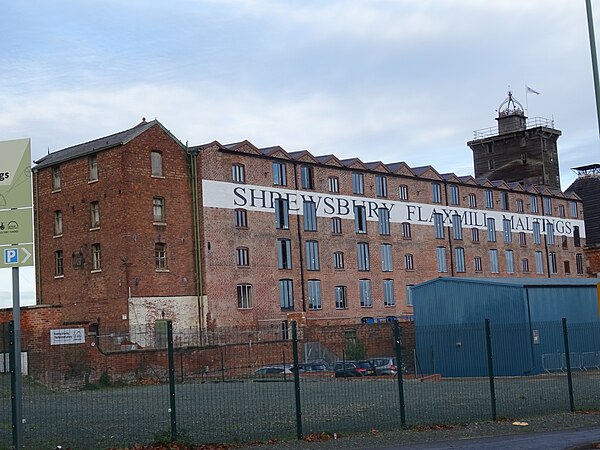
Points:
(66, 336)
(217, 194)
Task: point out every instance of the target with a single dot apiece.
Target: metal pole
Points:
(172, 408)
(399, 365)
(299, 433)
(488, 343)
(568, 361)
(15, 372)
(590, 21)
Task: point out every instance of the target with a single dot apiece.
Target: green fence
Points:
(245, 386)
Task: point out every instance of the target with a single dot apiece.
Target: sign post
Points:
(16, 245)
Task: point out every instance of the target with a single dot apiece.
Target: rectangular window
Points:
(477, 264)
(490, 164)
(160, 256)
(279, 174)
(384, 221)
(358, 183)
(386, 258)
(522, 239)
(561, 210)
(441, 260)
(564, 242)
(409, 297)
(510, 261)
(336, 225)
(312, 255)
(238, 173)
(489, 199)
(475, 234)
(579, 263)
(241, 218)
(403, 192)
(576, 236)
(454, 195)
(285, 330)
(436, 193)
(534, 204)
(364, 264)
(491, 228)
(58, 263)
(158, 209)
(504, 201)
(242, 256)
(58, 223)
(341, 299)
(550, 234)
(286, 294)
(282, 214)
(306, 174)
(360, 219)
(472, 201)
(284, 254)
(525, 265)
(539, 263)
(438, 225)
(406, 231)
(537, 234)
(552, 260)
(338, 260)
(388, 293)
(460, 259)
(381, 186)
(56, 178)
(334, 184)
(408, 262)
(92, 168)
(574, 212)
(244, 296)
(365, 293)
(567, 265)
(156, 164)
(457, 227)
(96, 263)
(94, 215)
(547, 205)
(314, 294)
(310, 216)
(507, 230)
(494, 261)
(520, 206)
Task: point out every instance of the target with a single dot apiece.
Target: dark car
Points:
(354, 369)
(313, 367)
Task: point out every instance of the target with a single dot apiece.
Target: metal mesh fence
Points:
(241, 386)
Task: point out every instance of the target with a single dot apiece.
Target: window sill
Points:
(96, 271)
(389, 306)
(366, 306)
(160, 177)
(93, 181)
(162, 270)
(249, 308)
(58, 277)
(56, 236)
(54, 191)
(94, 228)
(314, 309)
(160, 224)
(243, 267)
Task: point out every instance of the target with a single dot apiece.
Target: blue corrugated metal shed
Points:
(525, 313)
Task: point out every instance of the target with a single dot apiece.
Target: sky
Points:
(389, 80)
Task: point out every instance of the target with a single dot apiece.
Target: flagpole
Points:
(590, 21)
(526, 100)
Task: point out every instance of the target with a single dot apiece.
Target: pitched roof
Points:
(103, 143)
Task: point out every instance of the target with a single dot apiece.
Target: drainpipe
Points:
(36, 194)
(193, 154)
(300, 242)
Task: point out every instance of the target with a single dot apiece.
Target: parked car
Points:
(354, 368)
(273, 370)
(386, 365)
(313, 367)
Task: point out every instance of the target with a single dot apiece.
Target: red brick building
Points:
(134, 228)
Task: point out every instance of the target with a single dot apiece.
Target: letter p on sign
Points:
(11, 256)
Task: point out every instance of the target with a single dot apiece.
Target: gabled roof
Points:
(275, 151)
(484, 182)
(515, 186)
(401, 168)
(426, 172)
(103, 143)
(303, 155)
(354, 163)
(244, 146)
(330, 160)
(501, 184)
(377, 166)
(450, 177)
(468, 179)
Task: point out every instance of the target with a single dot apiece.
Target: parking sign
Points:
(11, 256)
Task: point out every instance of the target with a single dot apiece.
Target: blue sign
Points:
(11, 256)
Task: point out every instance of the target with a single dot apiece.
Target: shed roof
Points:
(520, 282)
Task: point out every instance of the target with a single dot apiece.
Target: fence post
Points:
(490, 361)
(15, 388)
(171, 380)
(400, 366)
(568, 361)
(296, 370)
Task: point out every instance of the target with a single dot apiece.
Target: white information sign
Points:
(66, 336)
